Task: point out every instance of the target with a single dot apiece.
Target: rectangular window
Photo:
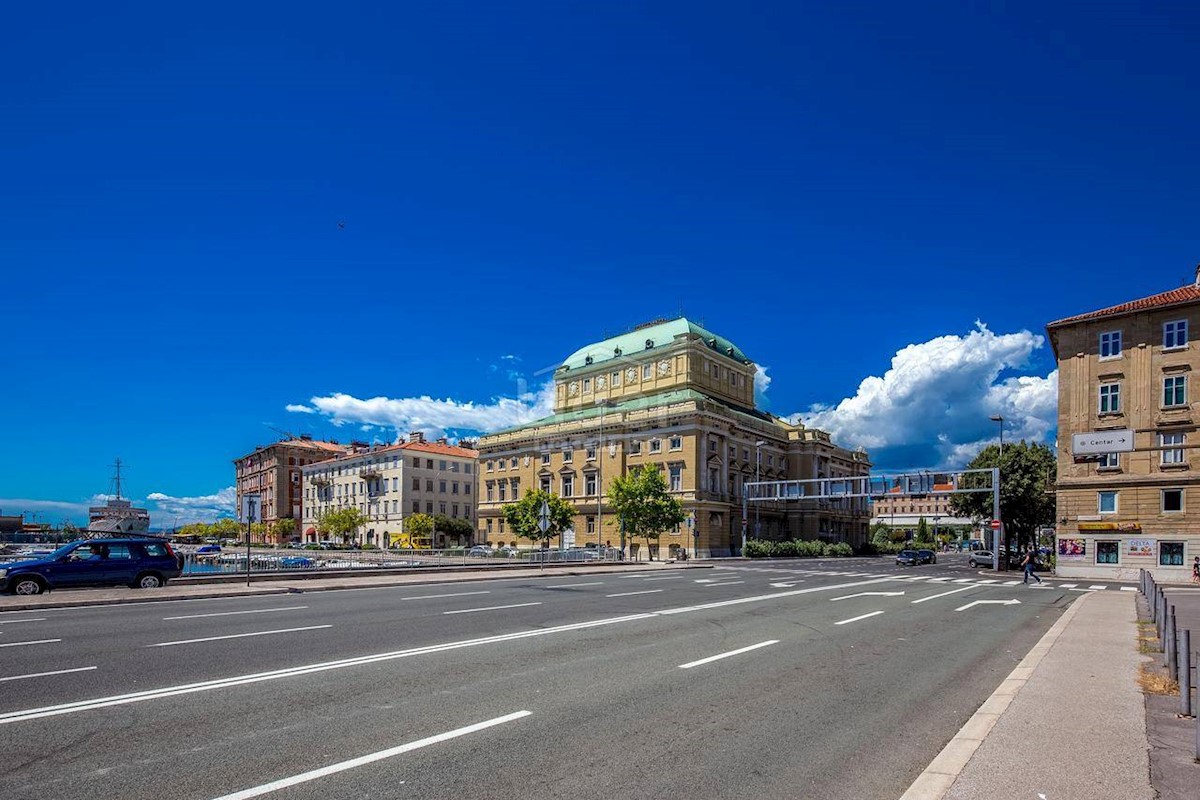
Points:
(675, 471)
(615, 380)
(467, 468)
(416, 463)
(587, 384)
(502, 464)
(1106, 502)
(503, 491)
(490, 488)
(1108, 552)
(429, 463)
(655, 446)
(545, 458)
(1110, 344)
(454, 510)
(442, 465)
(590, 453)
(589, 484)
(676, 443)
(568, 455)
(1170, 554)
(513, 463)
(1172, 448)
(489, 526)
(416, 484)
(501, 526)
(454, 488)
(591, 524)
(635, 447)
(546, 485)
(1110, 398)
(429, 484)
(1175, 390)
(568, 486)
(1175, 334)
(647, 372)
(441, 487)
(416, 506)
(442, 509)
(1172, 501)
(428, 506)
(1109, 461)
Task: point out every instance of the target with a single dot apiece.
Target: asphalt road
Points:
(600, 686)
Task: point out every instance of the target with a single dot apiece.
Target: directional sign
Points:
(544, 517)
(1013, 602)
(866, 594)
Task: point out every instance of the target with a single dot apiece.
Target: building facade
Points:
(390, 483)
(676, 396)
(904, 512)
(273, 473)
(1127, 493)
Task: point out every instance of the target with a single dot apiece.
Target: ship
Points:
(118, 516)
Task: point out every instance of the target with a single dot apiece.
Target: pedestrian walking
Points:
(1196, 570)
(1028, 564)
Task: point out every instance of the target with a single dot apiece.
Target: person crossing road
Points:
(1028, 563)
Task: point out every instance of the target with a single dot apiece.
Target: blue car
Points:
(137, 563)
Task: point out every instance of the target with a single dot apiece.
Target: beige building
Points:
(388, 484)
(677, 396)
(1128, 495)
(905, 512)
(273, 473)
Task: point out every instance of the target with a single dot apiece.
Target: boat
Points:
(118, 516)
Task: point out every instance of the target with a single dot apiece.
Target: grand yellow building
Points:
(671, 394)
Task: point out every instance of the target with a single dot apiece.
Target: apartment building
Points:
(905, 512)
(273, 473)
(679, 397)
(1128, 494)
(388, 483)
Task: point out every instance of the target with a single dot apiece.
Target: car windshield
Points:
(62, 551)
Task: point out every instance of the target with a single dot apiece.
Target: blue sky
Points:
(844, 189)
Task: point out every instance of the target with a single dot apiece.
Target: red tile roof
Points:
(1184, 294)
(440, 449)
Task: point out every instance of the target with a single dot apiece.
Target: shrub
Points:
(839, 549)
(789, 549)
(812, 548)
(757, 548)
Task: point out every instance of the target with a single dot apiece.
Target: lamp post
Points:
(999, 535)
(757, 470)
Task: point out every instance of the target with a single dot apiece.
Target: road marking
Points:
(440, 596)
(1097, 586)
(1067, 585)
(988, 580)
(292, 672)
(1129, 588)
(637, 575)
(737, 652)
(784, 585)
(705, 580)
(865, 594)
(856, 619)
(727, 583)
(1013, 602)
(43, 674)
(19, 621)
(938, 580)
(916, 578)
(1014, 583)
(236, 636)
(342, 766)
(232, 613)
(575, 585)
(943, 594)
(964, 580)
(665, 578)
(35, 641)
(1073, 590)
(644, 591)
(490, 608)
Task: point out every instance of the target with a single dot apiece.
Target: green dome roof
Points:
(650, 337)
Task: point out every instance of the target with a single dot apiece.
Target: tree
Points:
(881, 533)
(922, 530)
(226, 528)
(194, 530)
(343, 522)
(645, 508)
(282, 529)
(522, 516)
(1025, 502)
(418, 525)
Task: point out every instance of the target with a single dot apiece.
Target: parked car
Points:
(137, 563)
(509, 551)
(208, 548)
(907, 558)
(480, 550)
(296, 562)
(927, 556)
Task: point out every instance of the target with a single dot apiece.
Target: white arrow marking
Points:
(866, 594)
(1013, 602)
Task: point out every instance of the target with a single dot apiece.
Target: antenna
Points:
(288, 434)
(117, 478)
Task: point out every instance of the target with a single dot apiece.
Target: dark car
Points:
(927, 556)
(908, 558)
(138, 563)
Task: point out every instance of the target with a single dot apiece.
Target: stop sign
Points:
(995, 524)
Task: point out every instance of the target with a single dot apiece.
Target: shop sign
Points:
(1110, 526)
(1141, 547)
(1072, 549)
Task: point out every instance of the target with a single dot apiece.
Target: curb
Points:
(943, 771)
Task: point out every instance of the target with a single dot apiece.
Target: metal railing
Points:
(1178, 655)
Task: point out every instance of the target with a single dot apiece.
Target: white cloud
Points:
(167, 510)
(762, 382)
(932, 407)
(299, 409)
(436, 417)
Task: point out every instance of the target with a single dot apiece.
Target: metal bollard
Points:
(1185, 672)
(1170, 659)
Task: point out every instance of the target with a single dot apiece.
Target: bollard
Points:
(1185, 672)
(1170, 658)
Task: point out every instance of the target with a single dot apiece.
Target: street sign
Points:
(249, 508)
(995, 524)
(544, 517)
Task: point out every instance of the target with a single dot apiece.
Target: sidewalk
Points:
(1069, 722)
(70, 598)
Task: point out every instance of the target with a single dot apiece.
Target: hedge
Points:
(796, 548)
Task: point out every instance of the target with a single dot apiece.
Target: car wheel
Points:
(148, 580)
(27, 586)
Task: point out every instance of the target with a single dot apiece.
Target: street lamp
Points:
(757, 470)
(1000, 419)
(999, 464)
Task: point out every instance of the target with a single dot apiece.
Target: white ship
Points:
(117, 517)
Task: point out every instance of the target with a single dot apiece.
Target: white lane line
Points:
(989, 580)
(1014, 583)
(35, 641)
(938, 580)
(637, 575)
(943, 594)
(440, 596)
(490, 608)
(856, 619)
(575, 585)
(1129, 589)
(233, 613)
(292, 672)
(342, 766)
(19, 621)
(727, 583)
(1073, 590)
(1097, 586)
(964, 580)
(665, 578)
(644, 591)
(1064, 585)
(237, 636)
(44, 674)
(737, 652)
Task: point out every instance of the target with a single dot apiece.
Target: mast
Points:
(118, 477)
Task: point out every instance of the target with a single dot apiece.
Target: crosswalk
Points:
(1075, 587)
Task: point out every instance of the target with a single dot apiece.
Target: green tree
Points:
(643, 504)
(1027, 474)
(522, 516)
(418, 525)
(226, 528)
(922, 530)
(195, 530)
(283, 529)
(881, 533)
(343, 522)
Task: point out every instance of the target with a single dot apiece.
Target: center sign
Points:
(1098, 442)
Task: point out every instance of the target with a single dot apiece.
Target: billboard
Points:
(1072, 549)
(1098, 442)
(1141, 547)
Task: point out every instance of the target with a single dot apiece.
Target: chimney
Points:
(442, 440)
(1198, 274)
(306, 437)
(416, 436)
